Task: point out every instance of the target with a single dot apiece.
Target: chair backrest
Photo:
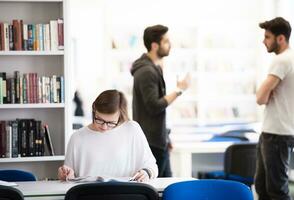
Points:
(10, 193)
(208, 189)
(112, 191)
(13, 175)
(240, 160)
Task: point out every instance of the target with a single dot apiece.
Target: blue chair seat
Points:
(208, 190)
(13, 175)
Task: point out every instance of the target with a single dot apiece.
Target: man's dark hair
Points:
(277, 26)
(153, 34)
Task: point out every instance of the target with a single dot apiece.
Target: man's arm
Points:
(264, 92)
(181, 85)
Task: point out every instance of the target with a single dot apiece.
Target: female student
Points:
(111, 146)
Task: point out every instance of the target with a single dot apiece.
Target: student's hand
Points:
(141, 176)
(184, 83)
(65, 172)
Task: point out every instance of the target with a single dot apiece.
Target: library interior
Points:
(58, 56)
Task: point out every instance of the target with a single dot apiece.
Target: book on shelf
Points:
(1, 90)
(31, 88)
(14, 139)
(2, 37)
(20, 36)
(48, 140)
(3, 139)
(24, 138)
(8, 140)
(60, 34)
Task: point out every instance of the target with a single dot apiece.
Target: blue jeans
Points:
(162, 161)
(273, 157)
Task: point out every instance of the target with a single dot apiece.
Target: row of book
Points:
(31, 37)
(24, 138)
(31, 88)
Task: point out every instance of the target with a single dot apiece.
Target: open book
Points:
(5, 183)
(97, 179)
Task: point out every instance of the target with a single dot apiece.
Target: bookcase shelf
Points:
(45, 64)
(37, 105)
(31, 159)
(31, 53)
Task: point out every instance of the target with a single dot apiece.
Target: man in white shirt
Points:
(277, 94)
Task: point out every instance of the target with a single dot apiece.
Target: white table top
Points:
(58, 188)
(201, 147)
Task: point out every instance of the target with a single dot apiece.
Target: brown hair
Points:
(153, 34)
(109, 102)
(277, 26)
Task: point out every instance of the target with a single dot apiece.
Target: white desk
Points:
(181, 155)
(56, 190)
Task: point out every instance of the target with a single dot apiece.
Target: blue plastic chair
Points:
(13, 175)
(208, 190)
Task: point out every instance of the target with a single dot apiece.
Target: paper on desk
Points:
(97, 178)
(5, 183)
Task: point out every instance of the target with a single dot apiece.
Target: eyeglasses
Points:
(102, 122)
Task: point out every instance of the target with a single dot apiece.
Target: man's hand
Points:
(184, 83)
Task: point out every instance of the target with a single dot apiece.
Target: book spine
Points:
(8, 91)
(4, 87)
(31, 137)
(25, 88)
(60, 34)
(2, 37)
(2, 139)
(1, 89)
(30, 37)
(36, 37)
(49, 141)
(35, 82)
(21, 34)
(62, 89)
(25, 37)
(14, 139)
(12, 90)
(40, 89)
(11, 37)
(6, 34)
(37, 139)
(17, 92)
(53, 35)
(21, 89)
(8, 140)
(47, 37)
(23, 137)
(17, 35)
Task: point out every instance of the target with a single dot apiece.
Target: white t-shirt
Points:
(279, 112)
(119, 152)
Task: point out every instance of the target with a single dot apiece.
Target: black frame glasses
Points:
(102, 122)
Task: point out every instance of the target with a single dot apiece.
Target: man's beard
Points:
(274, 48)
(162, 53)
